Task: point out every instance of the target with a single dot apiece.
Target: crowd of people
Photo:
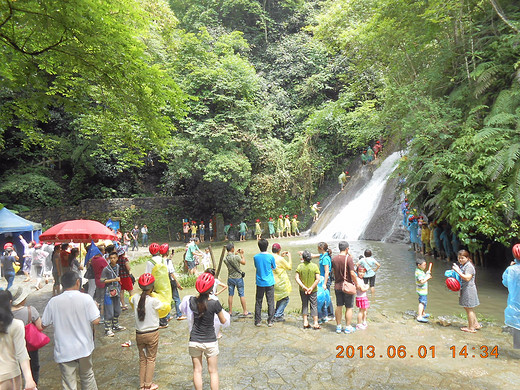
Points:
(433, 238)
(108, 274)
(370, 153)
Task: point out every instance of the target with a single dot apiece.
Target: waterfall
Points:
(352, 220)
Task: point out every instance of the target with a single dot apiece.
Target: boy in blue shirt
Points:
(264, 264)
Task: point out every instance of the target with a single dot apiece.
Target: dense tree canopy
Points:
(246, 105)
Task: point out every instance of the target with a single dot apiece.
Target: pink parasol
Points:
(79, 230)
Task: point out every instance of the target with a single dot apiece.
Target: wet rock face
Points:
(386, 224)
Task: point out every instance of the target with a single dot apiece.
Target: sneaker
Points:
(349, 329)
(102, 321)
(279, 319)
(365, 324)
(181, 318)
(338, 329)
(109, 333)
(118, 328)
(426, 315)
(269, 324)
(422, 319)
(163, 326)
(259, 324)
(361, 327)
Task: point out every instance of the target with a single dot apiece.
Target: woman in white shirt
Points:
(146, 313)
(12, 344)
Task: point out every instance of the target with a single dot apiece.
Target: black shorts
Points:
(343, 299)
(371, 280)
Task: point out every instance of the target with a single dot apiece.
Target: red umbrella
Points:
(79, 230)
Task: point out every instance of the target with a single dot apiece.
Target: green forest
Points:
(246, 106)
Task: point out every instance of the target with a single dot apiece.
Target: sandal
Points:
(317, 327)
(306, 326)
(124, 307)
(468, 330)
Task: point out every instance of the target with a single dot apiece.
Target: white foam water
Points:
(355, 216)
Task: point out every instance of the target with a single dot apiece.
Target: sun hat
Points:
(19, 294)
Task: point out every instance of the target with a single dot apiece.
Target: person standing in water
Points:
(307, 276)
(201, 312)
(146, 312)
(242, 229)
(264, 264)
(282, 283)
(324, 253)
(371, 266)
(343, 266)
(342, 179)
(511, 280)
(421, 281)
(294, 226)
(468, 298)
(315, 208)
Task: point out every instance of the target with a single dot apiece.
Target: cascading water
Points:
(355, 216)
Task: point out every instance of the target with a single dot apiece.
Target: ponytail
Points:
(141, 311)
(202, 303)
(324, 247)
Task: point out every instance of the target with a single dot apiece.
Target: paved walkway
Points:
(288, 357)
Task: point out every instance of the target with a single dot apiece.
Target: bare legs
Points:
(212, 369)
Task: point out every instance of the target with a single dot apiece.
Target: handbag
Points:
(112, 291)
(34, 338)
(347, 287)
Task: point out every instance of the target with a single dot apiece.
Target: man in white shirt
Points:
(73, 314)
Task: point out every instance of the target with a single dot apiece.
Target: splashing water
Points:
(355, 216)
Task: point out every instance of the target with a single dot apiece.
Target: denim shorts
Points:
(191, 264)
(423, 299)
(239, 283)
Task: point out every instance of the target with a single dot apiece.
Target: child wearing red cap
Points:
(315, 208)
(258, 229)
(294, 226)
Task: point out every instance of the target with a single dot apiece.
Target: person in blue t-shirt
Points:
(264, 264)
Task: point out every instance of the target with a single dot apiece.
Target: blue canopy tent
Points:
(12, 226)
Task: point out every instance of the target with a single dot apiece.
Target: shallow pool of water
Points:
(395, 280)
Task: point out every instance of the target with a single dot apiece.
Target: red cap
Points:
(270, 218)
(346, 172)
(230, 224)
(295, 216)
(281, 216)
(364, 151)
(276, 247)
(318, 203)
(287, 216)
(257, 220)
(8, 245)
